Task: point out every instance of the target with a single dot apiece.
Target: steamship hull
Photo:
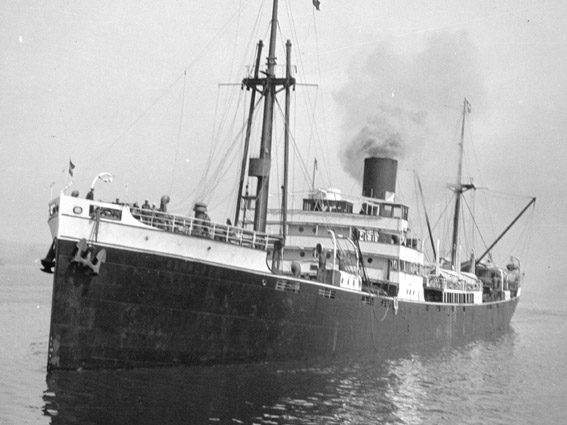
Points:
(142, 287)
(151, 309)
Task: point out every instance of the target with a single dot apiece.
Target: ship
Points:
(139, 286)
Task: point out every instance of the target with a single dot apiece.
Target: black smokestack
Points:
(378, 139)
(379, 177)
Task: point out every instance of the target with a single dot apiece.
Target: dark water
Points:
(518, 378)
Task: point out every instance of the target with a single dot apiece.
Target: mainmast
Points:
(459, 190)
(462, 188)
(267, 86)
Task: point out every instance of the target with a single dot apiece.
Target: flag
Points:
(71, 167)
(316, 3)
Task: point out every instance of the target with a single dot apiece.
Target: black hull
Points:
(151, 310)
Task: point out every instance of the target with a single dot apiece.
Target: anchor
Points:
(83, 256)
(49, 261)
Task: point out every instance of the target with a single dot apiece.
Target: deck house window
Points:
(369, 209)
(394, 265)
(387, 210)
(397, 212)
(327, 205)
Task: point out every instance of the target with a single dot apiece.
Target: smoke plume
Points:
(396, 101)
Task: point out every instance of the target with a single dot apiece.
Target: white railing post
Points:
(192, 226)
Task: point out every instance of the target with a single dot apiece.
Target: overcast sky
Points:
(131, 88)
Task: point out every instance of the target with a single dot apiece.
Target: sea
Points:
(518, 377)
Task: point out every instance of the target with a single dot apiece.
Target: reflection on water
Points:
(518, 378)
(436, 386)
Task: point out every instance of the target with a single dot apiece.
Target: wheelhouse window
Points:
(369, 209)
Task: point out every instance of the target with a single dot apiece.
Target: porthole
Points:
(302, 254)
(77, 210)
(369, 260)
(301, 228)
(328, 255)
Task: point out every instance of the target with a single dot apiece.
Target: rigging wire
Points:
(212, 151)
(444, 222)
(526, 238)
(299, 159)
(202, 185)
(178, 132)
(211, 180)
(324, 151)
(310, 103)
(236, 32)
(166, 91)
(137, 120)
(421, 214)
(211, 177)
(302, 164)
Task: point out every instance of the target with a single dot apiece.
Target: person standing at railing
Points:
(146, 211)
(135, 210)
(164, 221)
(202, 220)
(153, 215)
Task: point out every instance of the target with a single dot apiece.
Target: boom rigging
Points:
(532, 201)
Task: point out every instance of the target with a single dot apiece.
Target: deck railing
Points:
(441, 283)
(203, 228)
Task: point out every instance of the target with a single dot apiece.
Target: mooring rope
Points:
(385, 313)
(379, 320)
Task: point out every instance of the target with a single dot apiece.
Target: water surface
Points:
(518, 377)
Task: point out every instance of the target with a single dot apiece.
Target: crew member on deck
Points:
(145, 211)
(202, 219)
(321, 257)
(90, 195)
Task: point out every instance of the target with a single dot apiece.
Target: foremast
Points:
(268, 87)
